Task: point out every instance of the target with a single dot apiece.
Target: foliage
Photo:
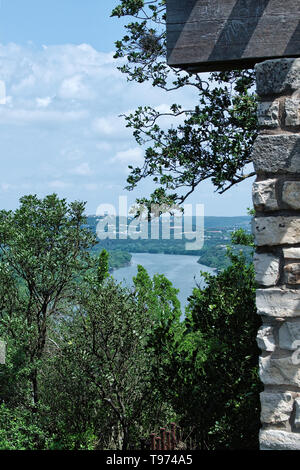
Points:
(214, 256)
(94, 365)
(219, 363)
(212, 140)
(19, 432)
(159, 297)
(118, 259)
(43, 250)
(108, 336)
(103, 267)
(220, 256)
(240, 237)
(117, 362)
(70, 416)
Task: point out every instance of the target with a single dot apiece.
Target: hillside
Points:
(217, 236)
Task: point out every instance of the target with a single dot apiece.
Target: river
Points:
(182, 270)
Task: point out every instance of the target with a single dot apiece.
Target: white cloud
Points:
(111, 127)
(25, 84)
(61, 121)
(105, 146)
(82, 170)
(30, 116)
(7, 187)
(74, 88)
(91, 186)
(105, 126)
(58, 184)
(163, 108)
(129, 156)
(43, 102)
(71, 154)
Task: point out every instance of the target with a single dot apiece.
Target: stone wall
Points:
(276, 226)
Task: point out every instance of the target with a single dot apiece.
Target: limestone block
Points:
(291, 253)
(278, 303)
(292, 110)
(268, 114)
(278, 76)
(276, 153)
(289, 335)
(276, 407)
(266, 269)
(264, 195)
(276, 230)
(279, 371)
(292, 273)
(2, 352)
(297, 413)
(278, 440)
(265, 338)
(291, 194)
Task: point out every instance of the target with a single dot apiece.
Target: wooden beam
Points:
(205, 35)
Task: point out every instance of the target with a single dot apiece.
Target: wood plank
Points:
(215, 34)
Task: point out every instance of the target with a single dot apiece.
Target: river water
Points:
(182, 270)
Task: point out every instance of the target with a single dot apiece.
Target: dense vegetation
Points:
(92, 364)
(95, 365)
(215, 256)
(118, 259)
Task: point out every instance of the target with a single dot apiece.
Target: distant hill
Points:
(227, 222)
(217, 236)
(210, 222)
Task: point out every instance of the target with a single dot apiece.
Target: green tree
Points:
(18, 431)
(159, 297)
(74, 419)
(212, 140)
(109, 347)
(216, 384)
(43, 250)
(103, 266)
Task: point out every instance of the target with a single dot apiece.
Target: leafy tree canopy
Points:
(44, 249)
(216, 364)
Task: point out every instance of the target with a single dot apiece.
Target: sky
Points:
(60, 124)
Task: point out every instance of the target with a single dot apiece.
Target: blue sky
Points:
(60, 129)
